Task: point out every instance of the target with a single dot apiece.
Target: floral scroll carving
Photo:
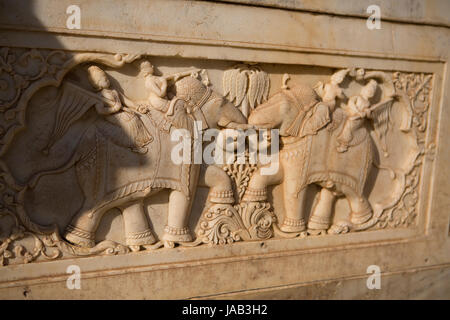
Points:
(22, 74)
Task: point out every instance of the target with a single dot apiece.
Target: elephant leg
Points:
(176, 229)
(137, 230)
(81, 230)
(257, 187)
(321, 216)
(293, 206)
(219, 182)
(361, 210)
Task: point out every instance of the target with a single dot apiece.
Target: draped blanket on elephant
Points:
(120, 172)
(317, 159)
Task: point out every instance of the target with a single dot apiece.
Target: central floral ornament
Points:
(332, 135)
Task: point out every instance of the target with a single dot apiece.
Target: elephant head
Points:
(296, 112)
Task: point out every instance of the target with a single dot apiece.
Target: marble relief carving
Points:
(352, 145)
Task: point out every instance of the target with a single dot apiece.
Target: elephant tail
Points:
(69, 164)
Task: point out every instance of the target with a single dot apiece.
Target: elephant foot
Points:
(361, 217)
(172, 234)
(80, 237)
(221, 196)
(318, 223)
(293, 225)
(145, 237)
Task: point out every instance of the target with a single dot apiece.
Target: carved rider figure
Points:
(157, 89)
(357, 109)
(331, 90)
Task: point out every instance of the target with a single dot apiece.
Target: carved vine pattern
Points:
(416, 90)
(17, 86)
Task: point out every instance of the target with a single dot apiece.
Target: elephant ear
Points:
(380, 115)
(318, 119)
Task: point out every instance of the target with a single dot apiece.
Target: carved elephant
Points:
(111, 175)
(308, 154)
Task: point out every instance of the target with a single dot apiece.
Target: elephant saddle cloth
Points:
(113, 167)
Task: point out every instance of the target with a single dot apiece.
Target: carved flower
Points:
(360, 74)
(27, 257)
(18, 250)
(3, 85)
(52, 69)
